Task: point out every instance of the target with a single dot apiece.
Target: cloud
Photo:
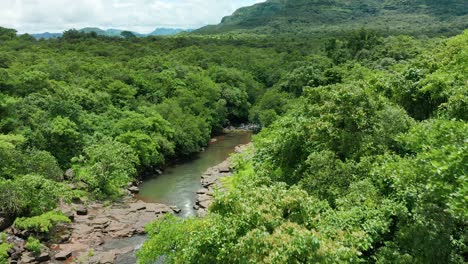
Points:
(143, 16)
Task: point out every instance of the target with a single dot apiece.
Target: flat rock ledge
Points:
(94, 224)
(211, 181)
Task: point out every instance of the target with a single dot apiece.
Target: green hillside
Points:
(331, 16)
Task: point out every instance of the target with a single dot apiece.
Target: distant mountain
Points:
(168, 31)
(328, 16)
(116, 32)
(47, 35)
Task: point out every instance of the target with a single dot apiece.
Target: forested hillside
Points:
(335, 16)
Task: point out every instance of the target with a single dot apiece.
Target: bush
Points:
(42, 223)
(33, 245)
(4, 247)
(107, 166)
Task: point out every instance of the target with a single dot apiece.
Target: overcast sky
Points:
(33, 16)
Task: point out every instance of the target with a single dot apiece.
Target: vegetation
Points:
(42, 223)
(4, 247)
(368, 166)
(361, 158)
(33, 245)
(338, 16)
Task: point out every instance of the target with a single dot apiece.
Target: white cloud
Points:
(144, 16)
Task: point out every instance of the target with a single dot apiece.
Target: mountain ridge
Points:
(325, 16)
(112, 32)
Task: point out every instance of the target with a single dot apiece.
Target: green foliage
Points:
(33, 245)
(4, 247)
(106, 166)
(40, 224)
(127, 34)
(346, 175)
(31, 194)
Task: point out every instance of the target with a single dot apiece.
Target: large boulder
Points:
(134, 189)
(63, 255)
(82, 210)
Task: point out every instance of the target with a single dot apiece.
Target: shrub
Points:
(42, 223)
(33, 245)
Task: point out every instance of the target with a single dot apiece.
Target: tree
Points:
(106, 167)
(7, 34)
(128, 34)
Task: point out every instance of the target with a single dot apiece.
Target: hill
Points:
(329, 16)
(115, 32)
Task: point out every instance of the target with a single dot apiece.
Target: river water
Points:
(179, 183)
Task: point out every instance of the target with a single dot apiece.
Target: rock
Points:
(107, 258)
(44, 256)
(65, 238)
(208, 182)
(63, 255)
(70, 215)
(134, 189)
(158, 208)
(175, 209)
(138, 206)
(28, 258)
(224, 168)
(82, 210)
(204, 197)
(205, 204)
(159, 172)
(196, 207)
(202, 191)
(69, 174)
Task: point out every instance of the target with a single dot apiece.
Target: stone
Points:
(70, 215)
(196, 207)
(134, 189)
(204, 197)
(65, 238)
(63, 255)
(107, 258)
(224, 169)
(28, 258)
(202, 191)
(82, 210)
(159, 172)
(44, 256)
(175, 209)
(205, 204)
(69, 174)
(138, 206)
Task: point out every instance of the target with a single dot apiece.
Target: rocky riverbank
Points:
(92, 225)
(211, 181)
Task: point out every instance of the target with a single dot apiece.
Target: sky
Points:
(143, 16)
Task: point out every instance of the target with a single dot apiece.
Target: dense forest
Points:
(366, 163)
(361, 157)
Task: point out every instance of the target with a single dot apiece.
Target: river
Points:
(179, 183)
